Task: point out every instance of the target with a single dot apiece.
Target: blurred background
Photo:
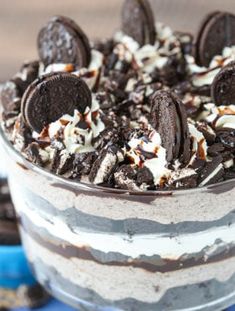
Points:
(21, 20)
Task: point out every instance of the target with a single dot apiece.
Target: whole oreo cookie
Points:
(168, 117)
(50, 97)
(63, 41)
(216, 32)
(138, 21)
(223, 86)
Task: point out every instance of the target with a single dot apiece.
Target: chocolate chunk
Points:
(227, 137)
(27, 74)
(174, 70)
(216, 32)
(215, 149)
(212, 172)
(33, 153)
(138, 21)
(223, 86)
(207, 132)
(144, 176)
(63, 41)
(108, 136)
(50, 97)
(105, 164)
(82, 164)
(169, 119)
(125, 178)
(183, 179)
(33, 296)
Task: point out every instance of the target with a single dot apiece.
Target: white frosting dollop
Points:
(221, 116)
(199, 144)
(90, 74)
(156, 163)
(147, 57)
(76, 137)
(205, 76)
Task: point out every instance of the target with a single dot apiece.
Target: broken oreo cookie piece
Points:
(105, 164)
(212, 172)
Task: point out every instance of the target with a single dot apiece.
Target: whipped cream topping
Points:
(76, 131)
(148, 57)
(199, 144)
(147, 151)
(90, 74)
(204, 76)
(221, 116)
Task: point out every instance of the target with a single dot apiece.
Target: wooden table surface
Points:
(20, 21)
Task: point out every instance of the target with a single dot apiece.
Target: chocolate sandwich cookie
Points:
(212, 172)
(63, 41)
(223, 86)
(216, 32)
(138, 21)
(169, 119)
(51, 96)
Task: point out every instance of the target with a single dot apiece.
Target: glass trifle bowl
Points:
(142, 242)
(98, 248)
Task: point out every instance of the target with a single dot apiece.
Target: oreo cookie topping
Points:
(149, 109)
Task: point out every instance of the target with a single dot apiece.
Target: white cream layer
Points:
(149, 245)
(110, 281)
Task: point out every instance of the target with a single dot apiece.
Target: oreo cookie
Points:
(169, 119)
(138, 21)
(63, 41)
(223, 86)
(212, 172)
(216, 32)
(105, 164)
(50, 97)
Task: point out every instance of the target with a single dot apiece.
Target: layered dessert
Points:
(121, 160)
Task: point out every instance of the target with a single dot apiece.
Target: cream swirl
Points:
(77, 131)
(221, 116)
(199, 144)
(147, 57)
(205, 76)
(90, 74)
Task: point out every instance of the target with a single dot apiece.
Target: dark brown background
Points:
(20, 21)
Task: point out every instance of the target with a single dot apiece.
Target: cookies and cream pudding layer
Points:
(145, 110)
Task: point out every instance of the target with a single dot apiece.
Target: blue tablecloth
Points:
(57, 306)
(14, 270)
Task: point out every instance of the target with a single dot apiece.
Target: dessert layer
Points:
(180, 298)
(142, 286)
